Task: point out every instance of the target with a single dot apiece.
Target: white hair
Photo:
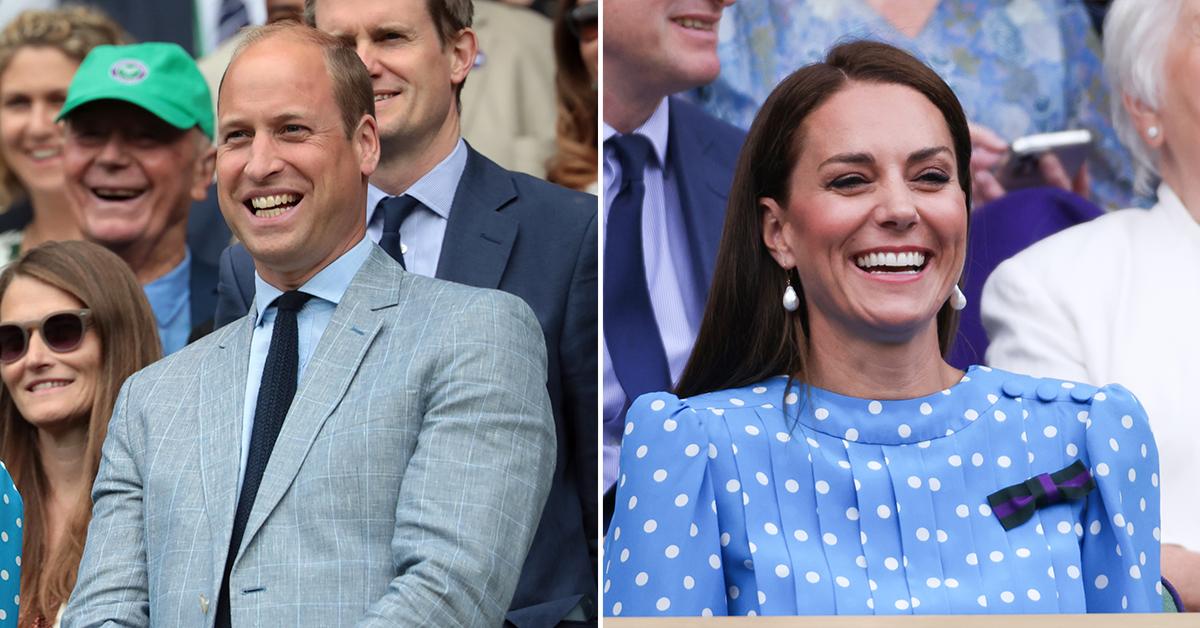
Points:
(1136, 36)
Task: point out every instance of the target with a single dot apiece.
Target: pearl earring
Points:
(791, 302)
(958, 300)
(1152, 132)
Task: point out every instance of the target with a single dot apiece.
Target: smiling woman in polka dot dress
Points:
(823, 458)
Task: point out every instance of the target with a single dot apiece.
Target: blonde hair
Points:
(73, 31)
(125, 327)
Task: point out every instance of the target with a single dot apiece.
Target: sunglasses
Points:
(61, 331)
(582, 21)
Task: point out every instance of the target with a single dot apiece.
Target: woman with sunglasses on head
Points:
(819, 456)
(576, 46)
(39, 53)
(74, 323)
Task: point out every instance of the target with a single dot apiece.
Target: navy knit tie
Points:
(395, 210)
(275, 393)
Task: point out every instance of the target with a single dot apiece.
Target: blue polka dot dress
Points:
(725, 506)
(10, 549)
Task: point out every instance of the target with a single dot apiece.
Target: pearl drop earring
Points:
(1152, 132)
(958, 300)
(791, 302)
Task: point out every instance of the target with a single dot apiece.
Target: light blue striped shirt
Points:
(327, 288)
(170, 298)
(677, 306)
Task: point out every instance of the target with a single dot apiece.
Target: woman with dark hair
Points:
(576, 45)
(819, 456)
(74, 323)
(39, 53)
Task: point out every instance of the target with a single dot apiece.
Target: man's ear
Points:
(206, 165)
(1144, 118)
(366, 144)
(462, 50)
(774, 225)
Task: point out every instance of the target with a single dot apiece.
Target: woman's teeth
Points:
(908, 262)
(46, 385)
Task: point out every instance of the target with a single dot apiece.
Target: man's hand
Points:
(987, 151)
(1182, 568)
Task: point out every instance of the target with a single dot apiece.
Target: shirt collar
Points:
(329, 284)
(656, 128)
(436, 189)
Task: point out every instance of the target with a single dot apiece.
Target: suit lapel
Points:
(690, 156)
(221, 414)
(479, 237)
(335, 362)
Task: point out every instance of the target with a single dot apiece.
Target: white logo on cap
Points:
(129, 71)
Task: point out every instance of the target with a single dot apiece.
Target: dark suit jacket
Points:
(701, 153)
(527, 237)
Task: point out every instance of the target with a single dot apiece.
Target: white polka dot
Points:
(770, 528)
(1119, 520)
(1004, 462)
(632, 502)
(762, 598)
(996, 556)
(891, 563)
(733, 486)
(822, 487)
(852, 513)
(933, 583)
(951, 583)
(812, 577)
(641, 579)
(1154, 480)
(962, 511)
(1157, 534)
(714, 561)
(902, 605)
(663, 604)
(628, 431)
(1072, 449)
(1132, 475)
(1073, 571)
(712, 451)
(752, 430)
(625, 554)
(942, 537)
(616, 609)
(1007, 597)
(669, 425)
(842, 581)
(852, 434)
(922, 534)
(1142, 504)
(861, 561)
(800, 535)
(926, 409)
(883, 511)
(660, 475)
(870, 604)
(783, 437)
(914, 481)
(971, 415)
(689, 582)
(820, 413)
(1022, 552)
(706, 612)
(641, 451)
(1099, 397)
(982, 600)
(829, 538)
(1102, 469)
(1050, 431)
(725, 538)
(737, 402)
(1101, 581)
(761, 478)
(792, 486)
(874, 407)
(985, 510)
(874, 586)
(1142, 558)
(650, 526)
(1114, 445)
(977, 459)
(1000, 416)
(874, 465)
(734, 592)
(758, 390)
(904, 430)
(1135, 572)
(657, 404)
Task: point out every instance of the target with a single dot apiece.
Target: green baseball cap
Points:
(158, 77)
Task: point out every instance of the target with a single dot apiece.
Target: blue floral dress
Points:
(1018, 66)
(728, 505)
(11, 523)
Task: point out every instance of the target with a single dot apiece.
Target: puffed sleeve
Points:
(663, 554)
(11, 512)
(1120, 545)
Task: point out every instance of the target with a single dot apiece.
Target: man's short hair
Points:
(351, 82)
(450, 16)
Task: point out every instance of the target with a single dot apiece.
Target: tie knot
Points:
(395, 210)
(633, 151)
(291, 301)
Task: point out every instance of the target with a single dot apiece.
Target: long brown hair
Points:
(128, 336)
(746, 336)
(574, 165)
(73, 31)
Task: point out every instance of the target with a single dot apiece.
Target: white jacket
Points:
(1117, 300)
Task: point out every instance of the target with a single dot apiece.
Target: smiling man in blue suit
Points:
(667, 170)
(368, 447)
(444, 210)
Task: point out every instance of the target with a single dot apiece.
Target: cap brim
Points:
(164, 111)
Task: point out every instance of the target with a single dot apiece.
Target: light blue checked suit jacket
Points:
(404, 488)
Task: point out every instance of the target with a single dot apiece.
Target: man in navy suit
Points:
(667, 171)
(444, 210)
